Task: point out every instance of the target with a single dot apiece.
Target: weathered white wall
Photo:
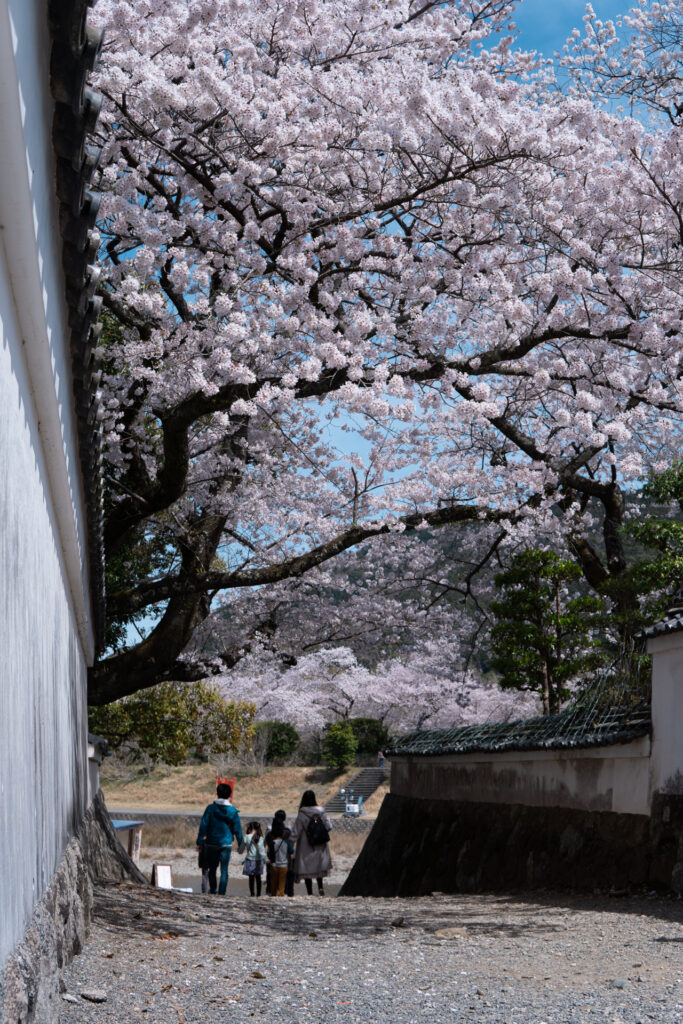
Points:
(597, 779)
(45, 631)
(667, 713)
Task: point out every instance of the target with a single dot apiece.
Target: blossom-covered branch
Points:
(363, 274)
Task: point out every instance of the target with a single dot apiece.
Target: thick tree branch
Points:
(176, 423)
(137, 598)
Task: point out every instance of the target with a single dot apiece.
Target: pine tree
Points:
(543, 637)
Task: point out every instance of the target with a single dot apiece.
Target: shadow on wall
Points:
(423, 846)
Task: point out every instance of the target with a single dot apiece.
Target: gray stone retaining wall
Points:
(30, 980)
(160, 818)
(29, 984)
(422, 846)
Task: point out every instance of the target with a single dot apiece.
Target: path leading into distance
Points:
(170, 958)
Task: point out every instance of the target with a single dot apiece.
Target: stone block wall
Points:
(30, 982)
(420, 846)
(29, 985)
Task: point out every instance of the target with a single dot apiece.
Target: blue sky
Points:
(545, 24)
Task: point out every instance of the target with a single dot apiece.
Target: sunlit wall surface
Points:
(45, 629)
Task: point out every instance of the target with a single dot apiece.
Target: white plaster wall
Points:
(667, 713)
(29, 229)
(45, 628)
(599, 779)
(42, 665)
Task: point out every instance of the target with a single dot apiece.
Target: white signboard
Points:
(161, 876)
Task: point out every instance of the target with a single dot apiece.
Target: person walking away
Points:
(311, 834)
(291, 877)
(380, 759)
(279, 850)
(220, 824)
(255, 856)
(289, 883)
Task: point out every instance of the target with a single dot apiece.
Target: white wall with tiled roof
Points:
(625, 773)
(614, 778)
(46, 633)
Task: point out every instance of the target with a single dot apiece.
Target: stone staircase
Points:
(364, 783)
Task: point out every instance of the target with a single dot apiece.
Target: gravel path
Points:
(168, 958)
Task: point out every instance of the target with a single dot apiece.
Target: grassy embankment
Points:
(188, 788)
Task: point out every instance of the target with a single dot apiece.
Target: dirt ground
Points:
(190, 787)
(171, 958)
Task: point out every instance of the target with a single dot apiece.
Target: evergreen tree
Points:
(655, 577)
(371, 734)
(339, 746)
(543, 638)
(282, 739)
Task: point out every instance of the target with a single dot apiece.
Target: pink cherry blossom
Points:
(369, 275)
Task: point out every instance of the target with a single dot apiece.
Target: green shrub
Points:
(168, 721)
(371, 734)
(282, 739)
(339, 746)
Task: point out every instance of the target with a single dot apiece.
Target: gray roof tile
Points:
(574, 728)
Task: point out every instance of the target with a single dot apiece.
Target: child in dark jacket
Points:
(254, 857)
(279, 850)
(281, 816)
(219, 825)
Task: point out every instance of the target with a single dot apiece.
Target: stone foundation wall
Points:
(421, 846)
(30, 981)
(160, 818)
(29, 986)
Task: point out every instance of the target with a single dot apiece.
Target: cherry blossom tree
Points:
(377, 601)
(322, 687)
(365, 276)
(429, 687)
(637, 59)
(638, 62)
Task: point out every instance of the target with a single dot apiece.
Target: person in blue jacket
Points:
(220, 824)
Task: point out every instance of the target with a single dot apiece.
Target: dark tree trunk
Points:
(155, 659)
(545, 690)
(606, 575)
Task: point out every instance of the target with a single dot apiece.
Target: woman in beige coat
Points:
(311, 861)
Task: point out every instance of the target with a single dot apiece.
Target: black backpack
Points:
(316, 833)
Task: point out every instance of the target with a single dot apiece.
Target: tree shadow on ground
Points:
(166, 916)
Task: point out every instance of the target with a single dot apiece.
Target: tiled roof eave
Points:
(631, 724)
(608, 739)
(75, 46)
(672, 622)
